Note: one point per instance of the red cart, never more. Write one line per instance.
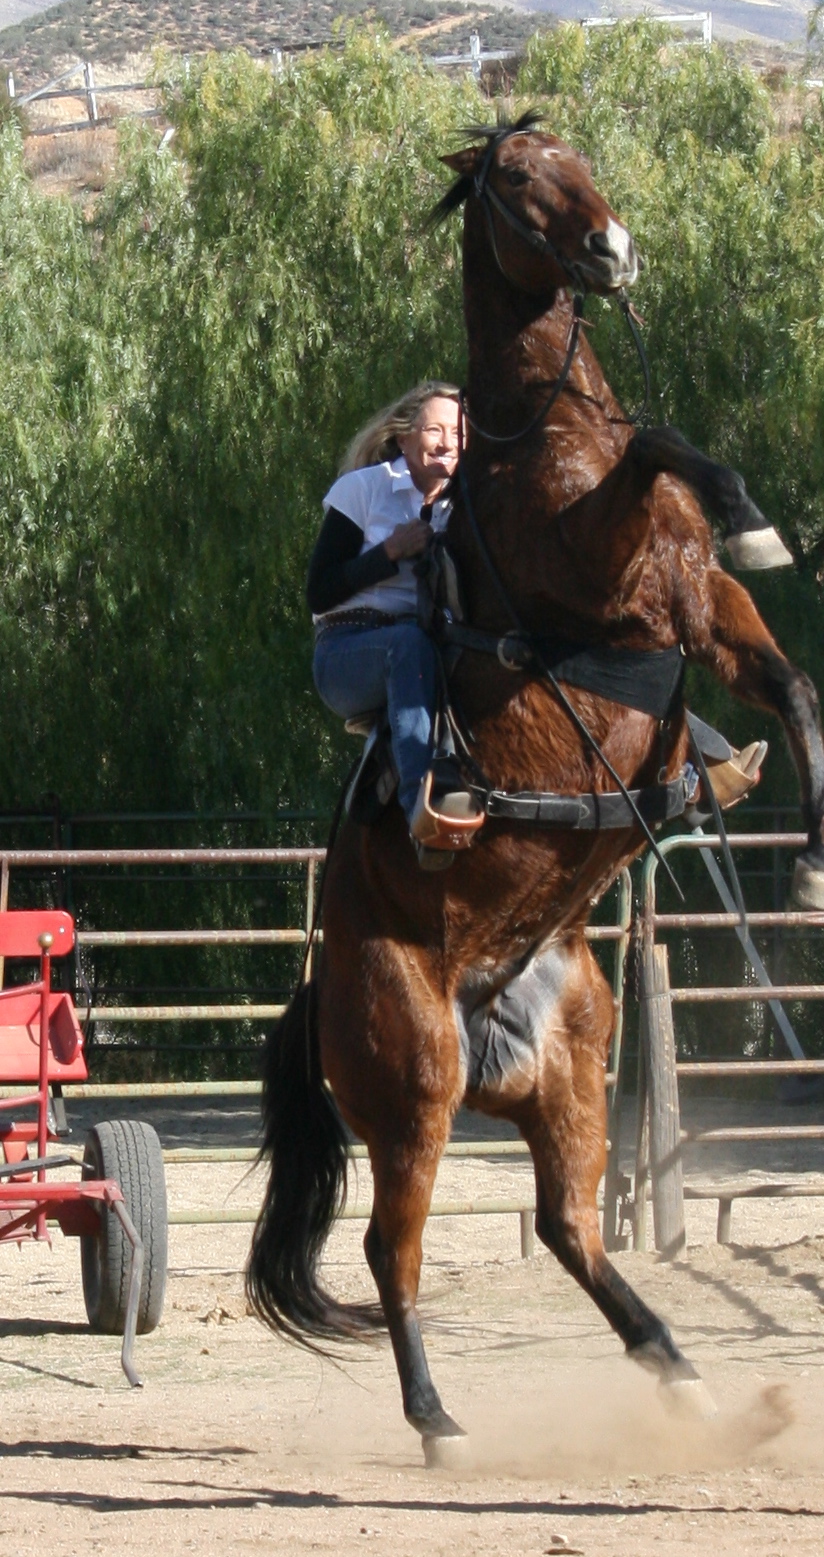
(118, 1208)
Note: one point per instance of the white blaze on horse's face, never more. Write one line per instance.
(549, 187)
(614, 248)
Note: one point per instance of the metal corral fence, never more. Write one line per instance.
(660, 1137)
(616, 933)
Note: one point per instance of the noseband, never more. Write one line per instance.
(538, 241)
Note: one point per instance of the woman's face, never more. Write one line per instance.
(431, 448)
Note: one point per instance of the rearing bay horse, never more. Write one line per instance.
(476, 985)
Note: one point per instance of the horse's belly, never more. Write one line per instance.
(507, 1028)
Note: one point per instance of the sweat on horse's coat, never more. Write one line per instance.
(504, 1019)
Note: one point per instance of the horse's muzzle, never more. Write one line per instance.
(611, 260)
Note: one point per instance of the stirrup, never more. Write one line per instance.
(734, 779)
(362, 724)
(449, 822)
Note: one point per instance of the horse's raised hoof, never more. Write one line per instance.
(807, 890)
(687, 1399)
(452, 1453)
(753, 550)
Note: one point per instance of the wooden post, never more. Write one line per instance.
(10, 86)
(724, 1229)
(666, 1162)
(612, 1177)
(91, 95)
(639, 1229)
(4, 903)
(310, 918)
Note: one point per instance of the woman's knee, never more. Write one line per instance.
(349, 683)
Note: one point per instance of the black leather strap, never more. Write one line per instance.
(646, 679)
(591, 813)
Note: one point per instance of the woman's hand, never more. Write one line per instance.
(408, 540)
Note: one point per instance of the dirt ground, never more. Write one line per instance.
(240, 1442)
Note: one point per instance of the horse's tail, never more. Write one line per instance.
(305, 1141)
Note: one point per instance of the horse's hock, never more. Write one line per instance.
(661, 1140)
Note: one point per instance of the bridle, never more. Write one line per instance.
(489, 198)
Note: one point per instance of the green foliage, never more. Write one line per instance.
(183, 370)
(727, 215)
(185, 373)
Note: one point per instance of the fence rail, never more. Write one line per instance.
(278, 57)
(660, 1139)
(307, 860)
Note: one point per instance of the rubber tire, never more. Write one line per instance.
(127, 1150)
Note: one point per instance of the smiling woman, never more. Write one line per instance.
(370, 652)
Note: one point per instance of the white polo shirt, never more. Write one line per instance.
(377, 499)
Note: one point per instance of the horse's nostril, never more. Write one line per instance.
(598, 243)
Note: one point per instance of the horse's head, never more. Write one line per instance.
(547, 224)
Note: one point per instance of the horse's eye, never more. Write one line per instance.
(517, 176)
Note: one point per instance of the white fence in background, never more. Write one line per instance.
(279, 59)
(58, 88)
(697, 19)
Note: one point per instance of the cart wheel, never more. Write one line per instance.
(127, 1150)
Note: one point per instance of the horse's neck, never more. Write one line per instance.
(517, 348)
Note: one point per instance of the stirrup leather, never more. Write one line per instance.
(451, 822)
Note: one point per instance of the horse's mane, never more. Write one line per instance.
(493, 135)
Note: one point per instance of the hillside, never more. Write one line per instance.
(110, 30)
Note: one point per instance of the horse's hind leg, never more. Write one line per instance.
(564, 1123)
(721, 629)
(751, 540)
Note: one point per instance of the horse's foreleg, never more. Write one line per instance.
(404, 1174)
(726, 634)
(751, 540)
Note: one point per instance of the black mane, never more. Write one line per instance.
(494, 135)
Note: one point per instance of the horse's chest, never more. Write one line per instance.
(505, 1023)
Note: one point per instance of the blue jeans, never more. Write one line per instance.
(357, 668)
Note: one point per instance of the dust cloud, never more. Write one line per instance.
(615, 1421)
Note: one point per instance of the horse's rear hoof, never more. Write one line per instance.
(448, 1454)
(687, 1399)
(807, 890)
(753, 550)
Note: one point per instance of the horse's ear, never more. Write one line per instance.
(464, 161)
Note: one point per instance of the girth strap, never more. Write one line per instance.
(592, 813)
(646, 679)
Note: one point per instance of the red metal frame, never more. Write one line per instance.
(41, 1044)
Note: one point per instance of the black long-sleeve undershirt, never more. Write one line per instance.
(337, 571)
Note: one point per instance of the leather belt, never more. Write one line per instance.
(361, 616)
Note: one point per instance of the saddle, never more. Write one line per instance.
(648, 680)
(375, 778)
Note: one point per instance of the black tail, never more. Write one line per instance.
(305, 1141)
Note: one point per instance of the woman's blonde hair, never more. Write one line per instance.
(378, 440)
